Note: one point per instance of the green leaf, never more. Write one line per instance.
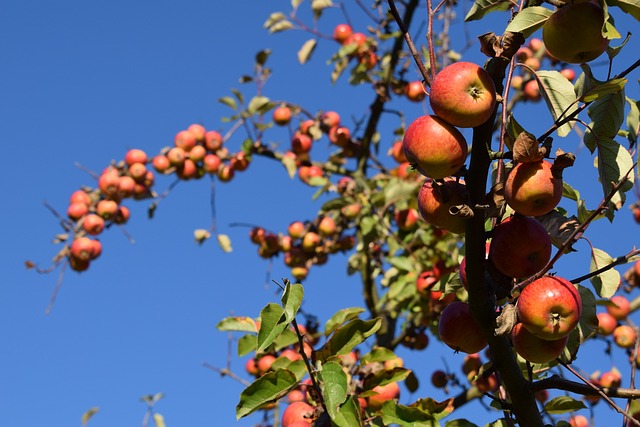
(614, 161)
(459, 423)
(319, 5)
(402, 263)
(266, 389)
(285, 339)
(333, 383)
(340, 318)
(559, 96)
(289, 164)
(257, 103)
(606, 283)
(482, 7)
(633, 120)
(562, 405)
(90, 413)
(607, 114)
(607, 88)
(225, 242)
(237, 323)
(229, 101)
(271, 325)
(298, 367)
(348, 414)
(247, 344)
(368, 224)
(345, 338)
(377, 354)
(384, 377)
(632, 7)
(305, 52)
(292, 300)
(529, 20)
(406, 416)
(399, 190)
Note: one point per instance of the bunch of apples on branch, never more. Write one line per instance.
(455, 239)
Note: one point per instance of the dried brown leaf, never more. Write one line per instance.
(526, 149)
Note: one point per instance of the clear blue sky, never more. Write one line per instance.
(85, 81)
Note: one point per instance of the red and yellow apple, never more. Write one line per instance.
(531, 189)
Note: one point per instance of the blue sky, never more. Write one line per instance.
(85, 81)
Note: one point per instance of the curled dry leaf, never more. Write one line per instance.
(563, 160)
(506, 320)
(495, 201)
(511, 42)
(526, 149)
(490, 44)
(461, 210)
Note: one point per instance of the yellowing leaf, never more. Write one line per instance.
(90, 413)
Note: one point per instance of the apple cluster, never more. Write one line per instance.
(360, 47)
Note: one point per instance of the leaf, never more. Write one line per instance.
(348, 414)
(225, 242)
(268, 388)
(333, 383)
(298, 367)
(200, 235)
(237, 323)
(558, 93)
(607, 88)
(271, 325)
(159, 420)
(460, 423)
(529, 20)
(526, 148)
(614, 162)
(384, 377)
(305, 52)
(229, 101)
(632, 7)
(607, 114)
(257, 103)
(406, 416)
(90, 413)
(559, 227)
(291, 300)
(247, 344)
(276, 22)
(606, 284)
(633, 120)
(377, 354)
(482, 7)
(289, 164)
(345, 338)
(340, 317)
(563, 404)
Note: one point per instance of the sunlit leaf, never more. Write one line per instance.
(333, 383)
(346, 337)
(225, 242)
(406, 416)
(378, 354)
(305, 52)
(159, 420)
(247, 344)
(562, 405)
(271, 325)
(257, 103)
(341, 317)
(482, 7)
(90, 413)
(237, 323)
(268, 388)
(606, 284)
(291, 300)
(632, 7)
(529, 20)
(559, 96)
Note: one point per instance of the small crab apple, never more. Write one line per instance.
(78, 264)
(439, 379)
(341, 32)
(340, 136)
(535, 44)
(471, 364)
(185, 140)
(198, 131)
(301, 143)
(425, 281)
(265, 362)
(212, 140)
(226, 173)
(282, 115)
(407, 218)
(531, 90)
(187, 170)
(606, 323)
(137, 171)
(77, 210)
(463, 94)
(533, 63)
(524, 53)
(550, 307)
(535, 349)
(533, 188)
(516, 82)
(460, 330)
(359, 40)
(351, 210)
(109, 183)
(135, 155)
(107, 209)
(434, 147)
(414, 91)
(80, 196)
(569, 73)
(327, 226)
(621, 309)
(252, 367)
(306, 173)
(240, 161)
(384, 392)
(397, 152)
(311, 241)
(122, 216)
(296, 413)
(177, 156)
(126, 186)
(624, 336)
(93, 224)
(436, 199)
(611, 379)
(161, 163)
(330, 119)
(197, 153)
(211, 163)
(578, 421)
(82, 248)
(297, 230)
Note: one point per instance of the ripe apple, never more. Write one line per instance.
(531, 189)
(397, 152)
(265, 362)
(297, 412)
(211, 163)
(531, 90)
(161, 163)
(550, 307)
(606, 323)
(137, 171)
(340, 136)
(212, 140)
(463, 94)
(533, 63)
(135, 155)
(305, 173)
(487, 383)
(327, 226)
(385, 392)
(407, 219)
(77, 210)
(93, 224)
(296, 230)
(122, 216)
(425, 281)
(434, 147)
(109, 183)
(177, 156)
(569, 73)
(127, 186)
(311, 241)
(624, 336)
(78, 265)
(197, 153)
(359, 40)
(107, 209)
(341, 32)
(520, 246)
(460, 330)
(471, 364)
(80, 196)
(252, 367)
(282, 115)
(414, 91)
(535, 44)
(330, 119)
(82, 248)
(516, 82)
(439, 379)
(621, 309)
(610, 379)
(535, 349)
(574, 32)
(435, 200)
(578, 421)
(351, 210)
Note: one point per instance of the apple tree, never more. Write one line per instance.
(453, 219)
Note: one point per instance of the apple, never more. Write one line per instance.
(252, 367)
(439, 379)
(327, 227)
(82, 248)
(621, 309)
(533, 63)
(340, 136)
(542, 395)
(606, 323)
(78, 264)
(311, 241)
(396, 362)
(93, 224)
(578, 421)
(197, 153)
(135, 156)
(487, 383)
(351, 210)
(523, 53)
(77, 210)
(359, 40)
(122, 216)
(127, 186)
(573, 33)
(397, 152)
(434, 147)
(137, 171)
(239, 162)
(414, 91)
(610, 379)
(531, 90)
(516, 82)
(624, 336)
(460, 330)
(531, 189)
(520, 246)
(296, 229)
(635, 210)
(213, 140)
(211, 163)
(109, 183)
(282, 115)
(306, 173)
(425, 281)
(384, 392)
(435, 200)
(471, 364)
(463, 94)
(298, 412)
(185, 140)
(107, 209)
(176, 156)
(297, 395)
(330, 119)
(161, 163)
(569, 73)
(341, 32)
(407, 219)
(265, 362)
(187, 170)
(549, 307)
(535, 349)
(80, 196)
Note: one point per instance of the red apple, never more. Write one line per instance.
(252, 367)
(407, 219)
(296, 229)
(135, 156)
(397, 152)
(107, 209)
(624, 336)
(569, 73)
(330, 119)
(122, 216)
(460, 330)
(327, 227)
(282, 115)
(93, 224)
(610, 379)
(198, 131)
(296, 413)
(77, 210)
(435, 200)
(439, 379)
(342, 32)
(606, 323)
(531, 189)
(414, 91)
(531, 90)
(213, 140)
(535, 349)
(384, 392)
(578, 421)
(463, 94)
(550, 307)
(161, 163)
(185, 140)
(434, 147)
(471, 364)
(109, 183)
(82, 248)
(621, 309)
(425, 281)
(306, 173)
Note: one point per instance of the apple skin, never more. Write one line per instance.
(573, 33)
(414, 91)
(535, 349)
(297, 412)
(520, 247)
(463, 94)
(460, 330)
(436, 148)
(531, 90)
(624, 336)
(385, 392)
(606, 323)
(550, 307)
(531, 189)
(434, 202)
(623, 307)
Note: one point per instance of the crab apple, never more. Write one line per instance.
(252, 367)
(297, 412)
(107, 209)
(282, 115)
(185, 140)
(126, 186)
(211, 163)
(610, 379)
(82, 248)
(487, 383)
(197, 153)
(187, 170)
(226, 173)
(535, 349)
(135, 155)
(384, 392)
(460, 330)
(569, 73)
(291, 354)
(407, 219)
(531, 90)
(435, 201)
(550, 307)
(78, 264)
(434, 147)
(471, 363)
(439, 379)
(516, 82)
(330, 119)
(578, 421)
(341, 32)
(542, 395)
(425, 281)
(523, 53)
(311, 241)
(520, 246)
(213, 140)
(397, 152)
(109, 183)
(573, 33)
(137, 171)
(635, 210)
(621, 309)
(297, 395)
(624, 336)
(80, 196)
(306, 173)
(359, 40)
(296, 229)
(532, 189)
(340, 136)
(265, 362)
(77, 210)
(161, 163)
(463, 94)
(256, 235)
(301, 143)
(177, 156)
(122, 216)
(93, 224)
(346, 243)
(606, 323)
(240, 161)
(414, 91)
(327, 226)
(535, 44)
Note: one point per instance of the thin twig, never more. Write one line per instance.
(52, 300)
(224, 372)
(619, 260)
(410, 44)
